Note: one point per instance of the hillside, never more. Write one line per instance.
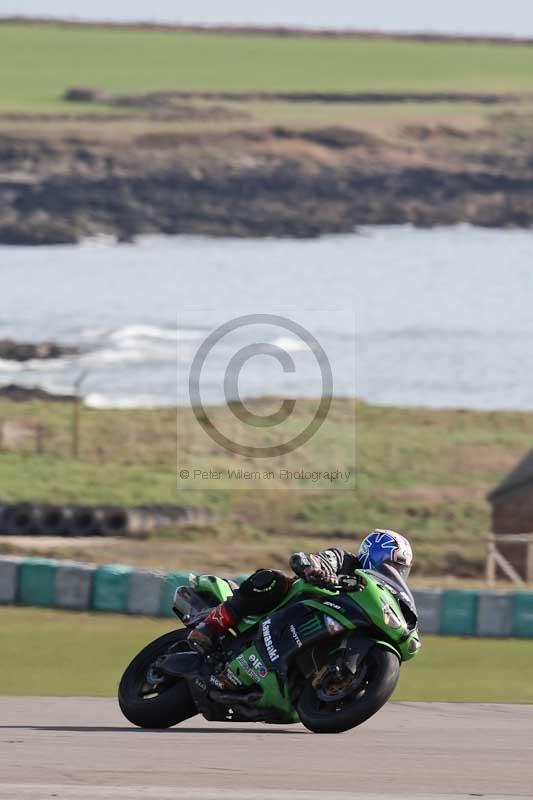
(131, 131)
(424, 472)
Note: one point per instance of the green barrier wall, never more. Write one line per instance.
(111, 588)
(458, 615)
(171, 582)
(36, 581)
(123, 589)
(522, 614)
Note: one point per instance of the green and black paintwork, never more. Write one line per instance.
(258, 673)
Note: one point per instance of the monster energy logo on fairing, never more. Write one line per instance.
(310, 626)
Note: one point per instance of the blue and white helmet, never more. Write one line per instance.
(389, 547)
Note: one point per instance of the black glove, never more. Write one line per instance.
(321, 578)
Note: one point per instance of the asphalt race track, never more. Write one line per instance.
(75, 748)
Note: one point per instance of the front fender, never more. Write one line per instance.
(357, 648)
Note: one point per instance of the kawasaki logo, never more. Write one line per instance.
(267, 638)
(311, 626)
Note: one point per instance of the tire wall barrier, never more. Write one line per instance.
(44, 519)
(121, 589)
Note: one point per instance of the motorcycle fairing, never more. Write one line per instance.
(301, 620)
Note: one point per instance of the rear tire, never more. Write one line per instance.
(169, 703)
(383, 673)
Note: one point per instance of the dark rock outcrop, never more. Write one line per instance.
(262, 182)
(23, 394)
(36, 229)
(26, 351)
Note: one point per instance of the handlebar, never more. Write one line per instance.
(349, 583)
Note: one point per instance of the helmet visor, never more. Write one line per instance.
(403, 569)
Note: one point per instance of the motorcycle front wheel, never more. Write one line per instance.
(149, 699)
(334, 705)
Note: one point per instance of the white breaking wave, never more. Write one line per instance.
(138, 343)
(98, 240)
(129, 332)
(34, 365)
(10, 366)
(291, 344)
(123, 355)
(99, 400)
(136, 332)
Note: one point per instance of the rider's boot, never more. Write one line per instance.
(205, 635)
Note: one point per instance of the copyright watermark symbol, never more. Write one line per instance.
(255, 392)
(231, 385)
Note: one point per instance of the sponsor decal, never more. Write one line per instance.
(295, 636)
(216, 682)
(201, 684)
(258, 665)
(310, 627)
(267, 638)
(249, 671)
(230, 675)
(333, 605)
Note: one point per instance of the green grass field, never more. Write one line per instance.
(425, 472)
(37, 63)
(61, 653)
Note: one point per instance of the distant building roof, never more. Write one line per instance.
(521, 475)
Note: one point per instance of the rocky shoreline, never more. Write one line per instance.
(26, 394)
(255, 182)
(11, 350)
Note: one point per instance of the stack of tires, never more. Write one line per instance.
(45, 519)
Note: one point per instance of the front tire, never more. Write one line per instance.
(155, 705)
(320, 716)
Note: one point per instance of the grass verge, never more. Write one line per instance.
(422, 471)
(60, 653)
(425, 472)
(38, 60)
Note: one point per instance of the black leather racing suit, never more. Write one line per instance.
(266, 588)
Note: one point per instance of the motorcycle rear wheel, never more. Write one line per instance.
(155, 706)
(339, 715)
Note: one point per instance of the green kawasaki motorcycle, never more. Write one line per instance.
(328, 659)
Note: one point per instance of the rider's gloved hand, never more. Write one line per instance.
(321, 578)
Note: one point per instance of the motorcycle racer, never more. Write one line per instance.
(381, 550)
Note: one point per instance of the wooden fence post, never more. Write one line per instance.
(491, 560)
(495, 559)
(529, 562)
(39, 438)
(76, 408)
